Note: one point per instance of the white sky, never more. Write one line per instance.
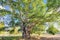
(1, 7)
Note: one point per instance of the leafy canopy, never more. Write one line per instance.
(32, 11)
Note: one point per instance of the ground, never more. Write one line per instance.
(46, 37)
(33, 37)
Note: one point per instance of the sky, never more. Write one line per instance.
(45, 1)
(2, 7)
(7, 7)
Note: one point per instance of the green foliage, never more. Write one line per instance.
(38, 29)
(1, 25)
(52, 30)
(53, 3)
(32, 11)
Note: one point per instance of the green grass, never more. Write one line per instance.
(10, 38)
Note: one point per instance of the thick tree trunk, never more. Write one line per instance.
(26, 32)
(24, 22)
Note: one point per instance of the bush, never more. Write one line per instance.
(52, 30)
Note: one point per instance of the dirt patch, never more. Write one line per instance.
(45, 37)
(55, 38)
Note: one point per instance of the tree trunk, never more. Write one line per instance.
(26, 32)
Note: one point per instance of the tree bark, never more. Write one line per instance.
(25, 32)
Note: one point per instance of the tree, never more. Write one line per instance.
(31, 12)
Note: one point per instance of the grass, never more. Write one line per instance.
(10, 38)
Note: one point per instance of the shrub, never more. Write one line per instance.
(52, 30)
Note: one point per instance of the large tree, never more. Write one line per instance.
(31, 12)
